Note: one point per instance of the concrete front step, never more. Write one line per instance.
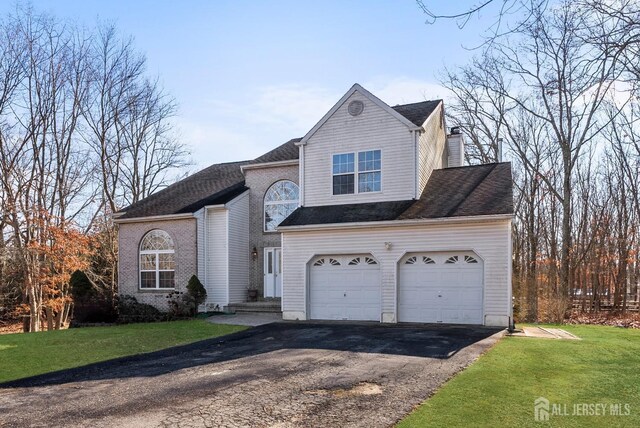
(262, 306)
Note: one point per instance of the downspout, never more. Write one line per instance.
(415, 165)
(301, 175)
(205, 244)
(512, 324)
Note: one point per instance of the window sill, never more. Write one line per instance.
(155, 290)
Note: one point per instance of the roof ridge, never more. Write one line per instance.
(418, 102)
(474, 166)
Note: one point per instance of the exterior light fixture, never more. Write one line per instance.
(254, 253)
(388, 245)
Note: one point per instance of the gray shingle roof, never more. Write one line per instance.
(216, 184)
(220, 183)
(465, 191)
(287, 151)
(417, 113)
(347, 213)
(451, 192)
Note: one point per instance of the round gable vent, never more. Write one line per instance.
(355, 108)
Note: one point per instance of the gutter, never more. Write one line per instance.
(154, 218)
(243, 168)
(399, 223)
(173, 216)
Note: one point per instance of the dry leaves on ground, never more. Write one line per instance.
(616, 320)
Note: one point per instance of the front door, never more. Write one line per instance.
(272, 272)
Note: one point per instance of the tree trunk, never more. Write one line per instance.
(49, 314)
(34, 309)
(567, 239)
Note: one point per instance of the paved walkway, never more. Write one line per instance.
(545, 333)
(278, 375)
(246, 318)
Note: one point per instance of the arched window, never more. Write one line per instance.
(280, 200)
(157, 261)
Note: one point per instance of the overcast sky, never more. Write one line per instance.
(249, 75)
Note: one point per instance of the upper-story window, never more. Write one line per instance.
(368, 170)
(157, 261)
(280, 200)
(343, 173)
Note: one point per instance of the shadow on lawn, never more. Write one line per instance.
(425, 341)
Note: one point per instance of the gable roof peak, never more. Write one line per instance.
(358, 88)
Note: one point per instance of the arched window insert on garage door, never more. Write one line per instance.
(414, 259)
(157, 261)
(280, 201)
(329, 261)
(362, 260)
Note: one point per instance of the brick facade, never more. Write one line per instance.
(259, 181)
(183, 233)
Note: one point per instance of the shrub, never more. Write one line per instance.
(180, 305)
(90, 305)
(81, 286)
(197, 291)
(130, 311)
(183, 305)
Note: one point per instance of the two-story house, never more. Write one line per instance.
(370, 216)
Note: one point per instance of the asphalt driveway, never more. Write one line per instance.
(276, 375)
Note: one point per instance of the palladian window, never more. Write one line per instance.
(157, 261)
(280, 200)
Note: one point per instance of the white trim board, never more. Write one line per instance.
(291, 162)
(398, 223)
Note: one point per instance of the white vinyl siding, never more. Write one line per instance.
(217, 279)
(455, 147)
(374, 129)
(238, 248)
(490, 240)
(431, 145)
(200, 241)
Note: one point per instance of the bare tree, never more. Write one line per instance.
(82, 133)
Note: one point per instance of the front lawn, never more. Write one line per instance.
(23, 355)
(500, 388)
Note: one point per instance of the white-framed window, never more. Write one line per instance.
(280, 200)
(157, 261)
(343, 173)
(367, 169)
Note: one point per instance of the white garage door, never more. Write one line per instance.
(344, 288)
(441, 288)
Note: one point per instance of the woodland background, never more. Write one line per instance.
(85, 131)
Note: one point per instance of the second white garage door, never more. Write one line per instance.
(441, 288)
(344, 288)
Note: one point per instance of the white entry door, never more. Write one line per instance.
(344, 288)
(441, 288)
(272, 272)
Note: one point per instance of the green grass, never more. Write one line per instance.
(499, 389)
(23, 355)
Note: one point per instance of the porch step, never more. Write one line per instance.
(269, 306)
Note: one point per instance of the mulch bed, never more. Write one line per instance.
(605, 318)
